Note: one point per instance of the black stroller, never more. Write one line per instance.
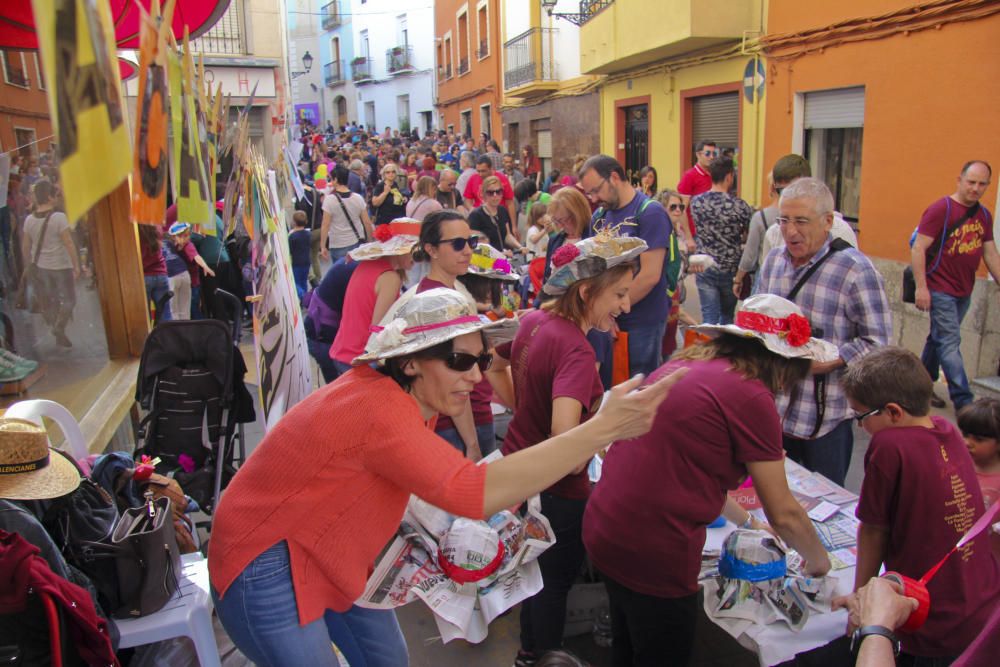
(191, 385)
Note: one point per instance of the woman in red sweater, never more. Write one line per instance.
(302, 522)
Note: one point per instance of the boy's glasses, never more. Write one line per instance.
(463, 361)
(865, 415)
(458, 244)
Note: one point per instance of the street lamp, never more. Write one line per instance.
(576, 19)
(307, 62)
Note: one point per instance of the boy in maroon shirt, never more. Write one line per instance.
(918, 498)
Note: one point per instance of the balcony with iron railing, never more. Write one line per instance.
(227, 36)
(333, 73)
(332, 17)
(463, 66)
(444, 72)
(361, 68)
(399, 59)
(591, 8)
(529, 66)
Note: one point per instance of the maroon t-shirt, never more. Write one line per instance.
(963, 249)
(482, 393)
(153, 263)
(694, 181)
(645, 521)
(549, 358)
(920, 484)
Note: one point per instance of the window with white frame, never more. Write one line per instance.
(833, 130)
(483, 29)
(14, 71)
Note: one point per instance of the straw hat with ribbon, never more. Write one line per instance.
(392, 240)
(430, 318)
(29, 470)
(489, 262)
(779, 324)
(590, 257)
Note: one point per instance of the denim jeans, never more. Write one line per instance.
(715, 292)
(543, 615)
(829, 455)
(261, 617)
(320, 351)
(301, 275)
(486, 434)
(337, 253)
(645, 348)
(942, 350)
(156, 287)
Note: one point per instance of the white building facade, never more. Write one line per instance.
(393, 64)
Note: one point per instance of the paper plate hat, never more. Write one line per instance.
(391, 240)
(427, 319)
(489, 262)
(590, 257)
(779, 324)
(29, 470)
(178, 228)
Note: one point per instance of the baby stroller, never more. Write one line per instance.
(191, 385)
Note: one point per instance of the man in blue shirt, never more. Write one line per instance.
(603, 180)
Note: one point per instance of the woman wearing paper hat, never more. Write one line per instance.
(557, 386)
(301, 523)
(373, 287)
(644, 527)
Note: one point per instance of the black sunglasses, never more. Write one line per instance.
(463, 361)
(458, 244)
(494, 192)
(865, 415)
(677, 207)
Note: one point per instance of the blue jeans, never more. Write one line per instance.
(261, 617)
(829, 455)
(645, 348)
(301, 275)
(942, 350)
(486, 434)
(156, 287)
(320, 351)
(715, 292)
(337, 253)
(196, 313)
(340, 366)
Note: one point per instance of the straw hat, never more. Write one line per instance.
(392, 240)
(430, 318)
(590, 257)
(28, 468)
(779, 324)
(489, 262)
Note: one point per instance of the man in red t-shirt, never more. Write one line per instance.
(695, 181)
(474, 197)
(945, 275)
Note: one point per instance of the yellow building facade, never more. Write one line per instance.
(676, 73)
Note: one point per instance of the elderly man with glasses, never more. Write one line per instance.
(843, 296)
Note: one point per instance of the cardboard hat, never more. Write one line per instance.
(29, 468)
(589, 258)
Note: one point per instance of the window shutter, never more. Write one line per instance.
(843, 107)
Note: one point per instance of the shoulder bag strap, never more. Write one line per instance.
(41, 238)
(354, 227)
(947, 231)
(836, 245)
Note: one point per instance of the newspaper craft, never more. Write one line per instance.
(467, 572)
(758, 581)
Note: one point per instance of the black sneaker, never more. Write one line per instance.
(937, 402)
(525, 659)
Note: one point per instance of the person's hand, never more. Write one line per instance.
(324, 253)
(696, 268)
(736, 289)
(923, 299)
(628, 411)
(690, 245)
(210, 273)
(817, 568)
(882, 603)
(76, 273)
(850, 603)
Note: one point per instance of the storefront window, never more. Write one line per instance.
(835, 157)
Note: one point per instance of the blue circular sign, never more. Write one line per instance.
(753, 78)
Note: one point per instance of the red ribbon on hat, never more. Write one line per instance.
(465, 319)
(460, 575)
(794, 329)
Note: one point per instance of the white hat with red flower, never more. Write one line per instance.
(779, 324)
(391, 240)
(590, 257)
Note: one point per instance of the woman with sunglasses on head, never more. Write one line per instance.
(493, 219)
(372, 289)
(302, 521)
(557, 386)
(673, 203)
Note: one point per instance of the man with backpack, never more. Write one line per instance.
(954, 234)
(603, 180)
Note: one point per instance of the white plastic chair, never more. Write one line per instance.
(187, 614)
(36, 408)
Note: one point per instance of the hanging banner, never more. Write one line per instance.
(76, 42)
(149, 174)
(194, 202)
(283, 363)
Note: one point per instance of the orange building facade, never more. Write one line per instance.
(24, 111)
(888, 115)
(469, 70)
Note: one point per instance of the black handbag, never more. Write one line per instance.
(147, 560)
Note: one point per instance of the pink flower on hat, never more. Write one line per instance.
(565, 255)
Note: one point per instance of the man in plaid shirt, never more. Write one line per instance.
(845, 302)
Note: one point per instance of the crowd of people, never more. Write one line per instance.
(440, 276)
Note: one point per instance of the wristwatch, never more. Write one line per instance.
(868, 630)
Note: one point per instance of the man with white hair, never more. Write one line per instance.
(843, 297)
(467, 166)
